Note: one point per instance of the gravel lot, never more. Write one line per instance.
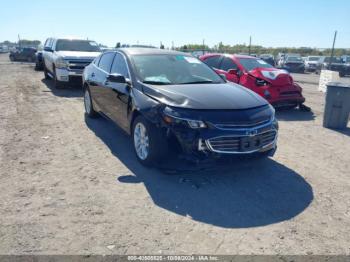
(73, 186)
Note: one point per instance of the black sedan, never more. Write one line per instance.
(167, 100)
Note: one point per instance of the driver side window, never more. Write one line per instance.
(227, 64)
(119, 66)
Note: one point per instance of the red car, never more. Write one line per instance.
(275, 85)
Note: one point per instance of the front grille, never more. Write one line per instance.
(229, 126)
(243, 144)
(78, 64)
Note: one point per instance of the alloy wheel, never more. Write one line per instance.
(141, 141)
(87, 101)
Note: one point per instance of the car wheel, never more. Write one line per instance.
(150, 144)
(89, 109)
(341, 74)
(58, 84)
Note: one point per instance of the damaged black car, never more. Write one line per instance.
(169, 100)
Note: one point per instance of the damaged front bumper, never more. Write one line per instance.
(222, 141)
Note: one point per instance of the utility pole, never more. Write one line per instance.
(203, 46)
(332, 53)
(19, 41)
(172, 45)
(250, 44)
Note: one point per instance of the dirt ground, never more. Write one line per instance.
(69, 185)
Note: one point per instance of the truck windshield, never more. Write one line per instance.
(314, 58)
(77, 45)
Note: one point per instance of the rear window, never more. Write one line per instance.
(77, 45)
(294, 59)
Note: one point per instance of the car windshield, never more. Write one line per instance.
(172, 69)
(77, 45)
(294, 59)
(313, 58)
(250, 64)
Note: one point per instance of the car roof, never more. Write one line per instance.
(229, 55)
(130, 51)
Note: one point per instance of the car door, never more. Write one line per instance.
(227, 64)
(119, 93)
(97, 79)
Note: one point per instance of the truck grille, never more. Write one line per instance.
(78, 64)
(243, 144)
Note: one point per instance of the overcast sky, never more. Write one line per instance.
(271, 23)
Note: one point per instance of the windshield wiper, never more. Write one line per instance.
(199, 82)
(155, 82)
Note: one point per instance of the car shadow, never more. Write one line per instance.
(294, 115)
(241, 194)
(70, 91)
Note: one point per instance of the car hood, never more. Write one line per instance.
(77, 55)
(205, 96)
(278, 77)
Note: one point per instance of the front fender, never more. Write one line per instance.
(146, 106)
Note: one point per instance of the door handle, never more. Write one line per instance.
(93, 75)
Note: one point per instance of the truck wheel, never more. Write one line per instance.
(58, 84)
(149, 144)
(46, 74)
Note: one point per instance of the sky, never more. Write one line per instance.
(270, 23)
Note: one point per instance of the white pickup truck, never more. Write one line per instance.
(65, 59)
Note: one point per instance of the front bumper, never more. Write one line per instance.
(64, 75)
(224, 141)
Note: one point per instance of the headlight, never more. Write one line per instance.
(172, 117)
(261, 82)
(61, 63)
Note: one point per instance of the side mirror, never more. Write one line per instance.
(116, 78)
(233, 72)
(48, 49)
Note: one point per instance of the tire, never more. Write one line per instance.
(89, 109)
(12, 58)
(46, 74)
(156, 142)
(58, 84)
(341, 74)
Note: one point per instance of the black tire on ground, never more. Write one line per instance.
(89, 109)
(46, 74)
(341, 74)
(58, 84)
(158, 144)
